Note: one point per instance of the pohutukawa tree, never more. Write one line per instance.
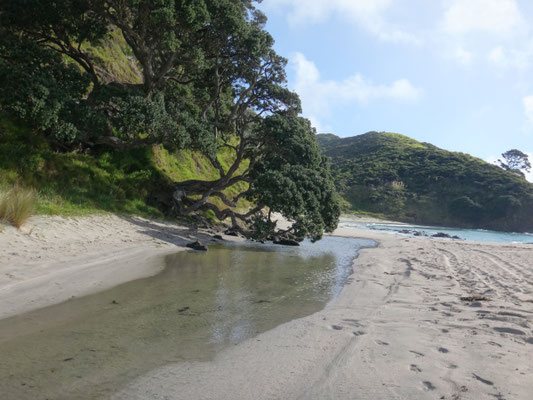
(515, 161)
(211, 82)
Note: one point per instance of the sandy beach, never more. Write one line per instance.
(400, 329)
(51, 259)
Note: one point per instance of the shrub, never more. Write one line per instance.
(39, 87)
(466, 208)
(16, 205)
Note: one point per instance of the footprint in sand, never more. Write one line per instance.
(510, 330)
(416, 353)
(485, 381)
(414, 368)
(352, 322)
(510, 314)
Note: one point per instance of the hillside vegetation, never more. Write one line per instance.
(401, 178)
(135, 181)
(158, 108)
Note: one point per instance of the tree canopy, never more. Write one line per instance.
(209, 80)
(515, 161)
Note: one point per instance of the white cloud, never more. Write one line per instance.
(511, 58)
(314, 11)
(489, 16)
(319, 95)
(369, 15)
(493, 30)
(463, 56)
(528, 108)
(465, 31)
(497, 56)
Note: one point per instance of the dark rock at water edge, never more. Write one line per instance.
(407, 231)
(412, 232)
(197, 246)
(440, 235)
(286, 242)
(445, 235)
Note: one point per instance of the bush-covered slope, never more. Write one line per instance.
(129, 99)
(136, 181)
(404, 179)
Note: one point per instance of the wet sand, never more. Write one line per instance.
(52, 259)
(201, 303)
(398, 330)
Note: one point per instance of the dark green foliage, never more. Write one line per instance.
(504, 206)
(169, 41)
(515, 161)
(293, 178)
(404, 179)
(59, 25)
(38, 87)
(209, 81)
(164, 35)
(466, 209)
(262, 227)
(138, 120)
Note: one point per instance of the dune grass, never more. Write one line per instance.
(17, 205)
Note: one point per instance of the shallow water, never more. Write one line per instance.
(88, 348)
(475, 235)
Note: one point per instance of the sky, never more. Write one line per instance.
(454, 73)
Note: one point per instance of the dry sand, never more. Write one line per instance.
(399, 329)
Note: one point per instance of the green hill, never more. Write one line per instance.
(401, 178)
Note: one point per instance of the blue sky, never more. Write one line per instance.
(455, 73)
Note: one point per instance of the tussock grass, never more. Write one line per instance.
(17, 205)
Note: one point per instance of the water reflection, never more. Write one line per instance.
(87, 348)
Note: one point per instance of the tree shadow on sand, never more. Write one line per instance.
(169, 232)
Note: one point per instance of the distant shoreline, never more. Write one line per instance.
(410, 229)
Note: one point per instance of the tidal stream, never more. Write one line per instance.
(90, 347)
